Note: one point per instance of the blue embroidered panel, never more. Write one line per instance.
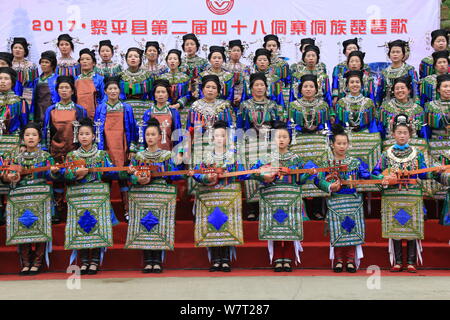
(28, 218)
(348, 224)
(87, 222)
(280, 215)
(149, 221)
(217, 218)
(402, 217)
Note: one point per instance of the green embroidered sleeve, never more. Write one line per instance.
(182, 101)
(320, 181)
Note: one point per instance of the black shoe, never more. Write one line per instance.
(25, 272)
(278, 269)
(338, 267)
(287, 267)
(226, 267)
(215, 267)
(157, 270)
(251, 217)
(350, 267)
(93, 269)
(35, 272)
(84, 269)
(147, 270)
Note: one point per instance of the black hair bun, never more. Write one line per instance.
(86, 122)
(220, 124)
(277, 124)
(153, 122)
(337, 129)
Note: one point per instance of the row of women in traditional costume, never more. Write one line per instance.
(218, 206)
(185, 76)
(96, 97)
(309, 115)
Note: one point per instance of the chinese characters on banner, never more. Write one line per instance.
(217, 22)
(240, 28)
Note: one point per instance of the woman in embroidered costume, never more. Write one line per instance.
(398, 53)
(345, 215)
(89, 84)
(44, 87)
(13, 109)
(301, 65)
(6, 59)
(32, 223)
(402, 102)
(218, 225)
(67, 66)
(439, 42)
(307, 117)
(82, 217)
(256, 113)
(179, 81)
(27, 71)
(206, 111)
(200, 120)
(13, 116)
(217, 58)
(261, 62)
(355, 110)
(192, 64)
(355, 62)
(311, 57)
(117, 132)
(309, 113)
(441, 63)
(277, 63)
(239, 70)
(402, 219)
(437, 111)
(107, 68)
(349, 45)
(152, 53)
(136, 83)
(437, 115)
(163, 195)
(168, 117)
(286, 247)
(444, 179)
(58, 132)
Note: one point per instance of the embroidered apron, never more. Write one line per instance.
(44, 100)
(62, 141)
(115, 141)
(86, 95)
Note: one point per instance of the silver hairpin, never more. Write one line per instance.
(294, 138)
(140, 125)
(165, 124)
(2, 126)
(97, 125)
(76, 126)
